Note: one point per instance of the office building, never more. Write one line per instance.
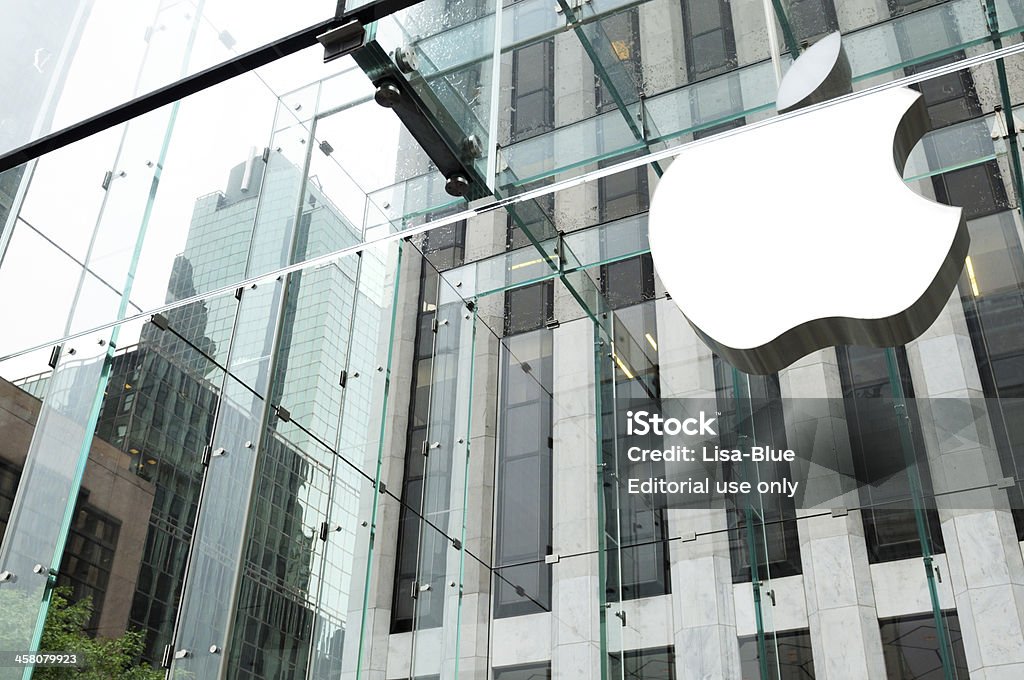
(383, 455)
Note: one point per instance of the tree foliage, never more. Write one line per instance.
(99, 658)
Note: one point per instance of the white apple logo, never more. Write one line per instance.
(801, 234)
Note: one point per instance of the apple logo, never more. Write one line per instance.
(801, 234)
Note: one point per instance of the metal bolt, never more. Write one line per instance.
(388, 95)
(471, 147)
(406, 59)
(456, 185)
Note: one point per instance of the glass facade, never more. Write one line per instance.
(294, 386)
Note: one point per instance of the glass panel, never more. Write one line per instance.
(44, 509)
(445, 448)
(52, 56)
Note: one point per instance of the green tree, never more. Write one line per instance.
(100, 658)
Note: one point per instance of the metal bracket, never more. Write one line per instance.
(342, 40)
(54, 356)
(426, 119)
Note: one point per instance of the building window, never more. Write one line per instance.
(710, 48)
(791, 650)
(530, 218)
(643, 664)
(639, 567)
(910, 645)
(533, 90)
(536, 671)
(890, 525)
(529, 307)
(992, 292)
(445, 246)
(979, 189)
(623, 65)
(622, 194)
(9, 476)
(811, 19)
(403, 609)
(774, 528)
(89, 556)
(628, 282)
(522, 580)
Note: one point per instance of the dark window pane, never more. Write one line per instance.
(708, 38)
(628, 282)
(523, 477)
(794, 656)
(910, 645)
(529, 307)
(540, 671)
(643, 664)
(890, 525)
(811, 19)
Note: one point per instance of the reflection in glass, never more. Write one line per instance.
(911, 647)
(789, 652)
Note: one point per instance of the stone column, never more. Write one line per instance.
(837, 583)
(576, 584)
(703, 608)
(985, 565)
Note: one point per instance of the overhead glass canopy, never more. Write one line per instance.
(297, 241)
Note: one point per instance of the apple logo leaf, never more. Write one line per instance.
(798, 235)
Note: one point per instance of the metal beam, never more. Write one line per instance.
(168, 94)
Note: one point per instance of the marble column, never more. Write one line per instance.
(841, 613)
(703, 608)
(576, 583)
(984, 557)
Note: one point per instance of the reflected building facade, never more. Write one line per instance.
(439, 485)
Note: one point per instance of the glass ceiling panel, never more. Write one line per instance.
(52, 53)
(163, 195)
(650, 111)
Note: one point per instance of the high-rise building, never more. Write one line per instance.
(398, 456)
